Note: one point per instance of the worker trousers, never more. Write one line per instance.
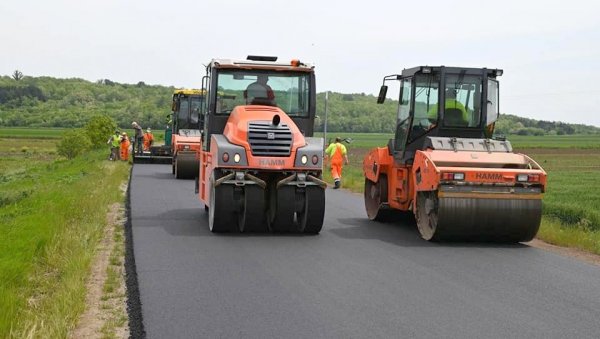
(336, 170)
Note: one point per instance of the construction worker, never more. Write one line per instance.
(456, 113)
(336, 153)
(259, 93)
(139, 138)
(125, 144)
(148, 139)
(114, 142)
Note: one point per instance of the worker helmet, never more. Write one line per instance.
(148, 130)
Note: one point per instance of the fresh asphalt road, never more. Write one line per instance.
(356, 279)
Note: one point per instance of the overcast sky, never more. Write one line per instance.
(549, 50)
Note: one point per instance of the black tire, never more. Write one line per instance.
(221, 213)
(173, 166)
(282, 209)
(311, 219)
(252, 217)
(375, 195)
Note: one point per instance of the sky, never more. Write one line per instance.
(549, 50)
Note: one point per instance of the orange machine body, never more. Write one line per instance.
(236, 133)
(431, 169)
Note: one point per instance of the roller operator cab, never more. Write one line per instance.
(185, 132)
(260, 166)
(443, 165)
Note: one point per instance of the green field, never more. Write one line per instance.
(52, 213)
(30, 133)
(370, 140)
(571, 203)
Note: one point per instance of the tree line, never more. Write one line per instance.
(52, 102)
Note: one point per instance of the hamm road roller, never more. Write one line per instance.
(260, 166)
(444, 166)
(182, 136)
(186, 137)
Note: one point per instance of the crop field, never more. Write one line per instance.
(52, 212)
(571, 203)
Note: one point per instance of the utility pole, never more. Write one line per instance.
(325, 124)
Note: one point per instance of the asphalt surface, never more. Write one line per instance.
(356, 279)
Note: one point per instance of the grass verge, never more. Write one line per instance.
(49, 239)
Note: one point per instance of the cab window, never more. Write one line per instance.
(462, 106)
(426, 104)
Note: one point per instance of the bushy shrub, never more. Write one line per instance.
(73, 143)
(99, 129)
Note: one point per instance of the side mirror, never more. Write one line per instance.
(382, 94)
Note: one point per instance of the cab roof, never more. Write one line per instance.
(184, 91)
(492, 72)
(262, 65)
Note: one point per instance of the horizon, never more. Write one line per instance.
(321, 92)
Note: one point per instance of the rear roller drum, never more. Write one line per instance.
(427, 215)
(282, 209)
(311, 219)
(375, 195)
(221, 214)
(252, 217)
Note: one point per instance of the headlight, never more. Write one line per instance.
(304, 159)
(459, 176)
(315, 159)
(186, 146)
(225, 157)
(522, 177)
(236, 157)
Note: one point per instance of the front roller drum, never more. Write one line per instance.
(477, 219)
(221, 213)
(186, 167)
(252, 216)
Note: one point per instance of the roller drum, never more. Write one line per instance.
(478, 219)
(502, 220)
(186, 167)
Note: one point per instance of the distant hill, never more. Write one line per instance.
(51, 102)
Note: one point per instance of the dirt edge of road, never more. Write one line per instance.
(590, 258)
(105, 313)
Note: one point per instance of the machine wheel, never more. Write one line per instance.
(252, 217)
(375, 194)
(427, 214)
(311, 219)
(177, 169)
(221, 214)
(173, 166)
(282, 209)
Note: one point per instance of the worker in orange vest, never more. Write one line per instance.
(337, 153)
(125, 144)
(148, 139)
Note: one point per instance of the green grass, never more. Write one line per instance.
(555, 141)
(371, 140)
(556, 232)
(31, 133)
(50, 227)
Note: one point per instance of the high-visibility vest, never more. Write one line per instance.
(116, 140)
